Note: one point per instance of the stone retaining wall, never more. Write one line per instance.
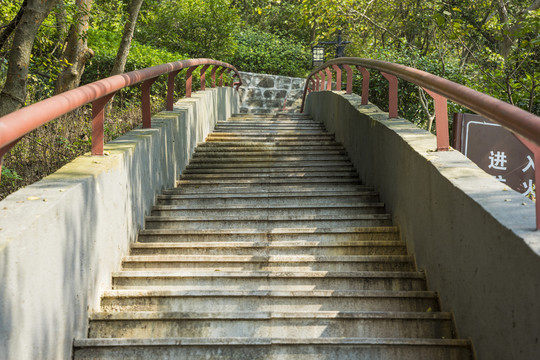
(263, 94)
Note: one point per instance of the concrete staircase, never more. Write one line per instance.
(270, 248)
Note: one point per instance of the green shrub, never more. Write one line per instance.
(266, 53)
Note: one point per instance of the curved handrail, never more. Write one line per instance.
(15, 125)
(524, 124)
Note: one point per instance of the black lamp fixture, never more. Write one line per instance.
(317, 55)
(317, 51)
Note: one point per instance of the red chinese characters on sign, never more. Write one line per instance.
(496, 151)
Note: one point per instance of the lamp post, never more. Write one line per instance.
(317, 51)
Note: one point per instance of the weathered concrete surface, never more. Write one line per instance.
(474, 236)
(62, 237)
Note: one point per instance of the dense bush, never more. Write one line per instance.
(193, 27)
(261, 52)
(105, 44)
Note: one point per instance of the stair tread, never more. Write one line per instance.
(267, 341)
(267, 315)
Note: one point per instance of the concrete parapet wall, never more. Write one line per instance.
(62, 237)
(264, 94)
(474, 236)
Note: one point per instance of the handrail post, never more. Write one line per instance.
(203, 76)
(392, 95)
(220, 75)
(349, 78)
(365, 84)
(441, 120)
(213, 75)
(338, 77)
(145, 103)
(329, 79)
(189, 80)
(170, 89)
(98, 118)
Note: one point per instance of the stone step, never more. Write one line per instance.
(268, 158)
(262, 208)
(285, 139)
(271, 190)
(270, 164)
(314, 248)
(280, 175)
(265, 132)
(319, 324)
(323, 235)
(284, 263)
(245, 147)
(269, 170)
(272, 349)
(266, 222)
(284, 181)
(269, 280)
(277, 154)
(291, 127)
(250, 196)
(274, 143)
(259, 300)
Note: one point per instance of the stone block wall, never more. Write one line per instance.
(263, 94)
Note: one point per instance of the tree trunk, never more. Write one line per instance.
(4, 35)
(61, 24)
(77, 52)
(14, 92)
(125, 44)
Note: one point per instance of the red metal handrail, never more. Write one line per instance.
(524, 124)
(19, 123)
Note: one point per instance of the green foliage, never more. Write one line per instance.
(193, 27)
(10, 176)
(280, 17)
(267, 53)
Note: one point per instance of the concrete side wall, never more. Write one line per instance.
(62, 237)
(474, 236)
(264, 94)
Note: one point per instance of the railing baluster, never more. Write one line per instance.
(441, 120)
(365, 84)
(392, 95)
(329, 79)
(323, 80)
(338, 77)
(145, 103)
(98, 119)
(189, 80)
(203, 76)
(170, 89)
(318, 82)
